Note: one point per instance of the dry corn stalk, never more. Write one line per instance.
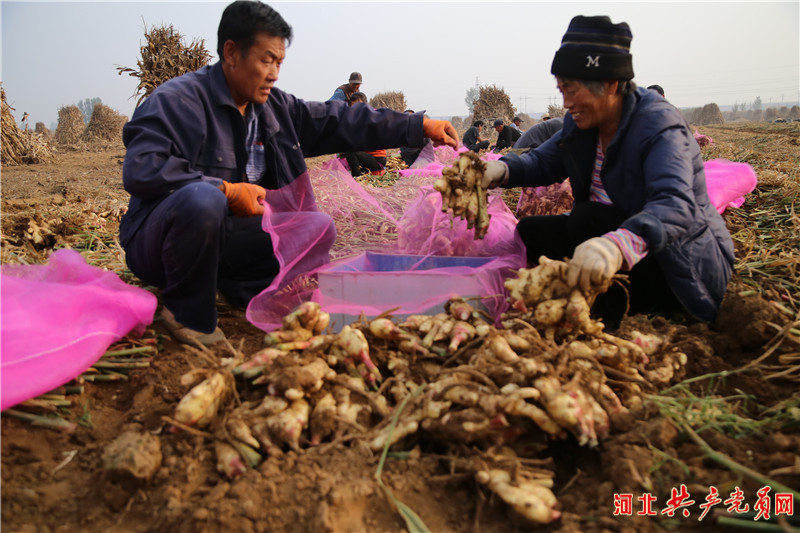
(165, 56)
(70, 126)
(19, 146)
(493, 103)
(105, 125)
(395, 100)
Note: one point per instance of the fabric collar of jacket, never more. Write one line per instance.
(221, 96)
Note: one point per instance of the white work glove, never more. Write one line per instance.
(495, 175)
(594, 263)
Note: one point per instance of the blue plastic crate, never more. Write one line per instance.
(375, 283)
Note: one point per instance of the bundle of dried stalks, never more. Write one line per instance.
(708, 114)
(70, 126)
(43, 130)
(493, 103)
(395, 100)
(458, 123)
(165, 56)
(20, 147)
(556, 111)
(105, 126)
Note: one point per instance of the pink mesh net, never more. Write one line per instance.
(728, 182)
(58, 319)
(405, 218)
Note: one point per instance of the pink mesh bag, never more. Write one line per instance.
(728, 182)
(58, 319)
(371, 219)
(302, 237)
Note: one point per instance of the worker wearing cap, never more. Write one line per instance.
(506, 136)
(641, 203)
(515, 124)
(345, 91)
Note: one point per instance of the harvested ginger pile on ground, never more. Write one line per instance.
(456, 380)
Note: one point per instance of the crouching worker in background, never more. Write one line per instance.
(472, 138)
(360, 162)
(205, 149)
(641, 205)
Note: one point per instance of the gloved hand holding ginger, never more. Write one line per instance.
(594, 263)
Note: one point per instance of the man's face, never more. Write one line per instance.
(354, 86)
(251, 76)
(588, 109)
(498, 129)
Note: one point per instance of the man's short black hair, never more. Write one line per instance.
(477, 123)
(243, 20)
(358, 97)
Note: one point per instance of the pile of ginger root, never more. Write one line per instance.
(491, 390)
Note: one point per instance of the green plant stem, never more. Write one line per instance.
(749, 524)
(68, 389)
(130, 351)
(734, 466)
(52, 422)
(104, 377)
(122, 366)
(392, 425)
(414, 523)
(723, 374)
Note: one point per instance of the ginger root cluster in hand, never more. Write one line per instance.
(461, 190)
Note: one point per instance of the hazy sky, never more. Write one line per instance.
(58, 53)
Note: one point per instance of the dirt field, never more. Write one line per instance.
(56, 482)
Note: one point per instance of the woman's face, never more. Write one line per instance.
(588, 110)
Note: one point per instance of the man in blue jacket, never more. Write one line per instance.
(204, 150)
(641, 203)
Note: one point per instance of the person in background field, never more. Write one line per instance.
(545, 117)
(205, 149)
(641, 204)
(658, 89)
(361, 162)
(472, 137)
(409, 155)
(506, 136)
(345, 91)
(539, 133)
(515, 123)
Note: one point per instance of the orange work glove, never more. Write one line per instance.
(243, 198)
(440, 132)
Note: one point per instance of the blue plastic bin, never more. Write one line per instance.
(379, 282)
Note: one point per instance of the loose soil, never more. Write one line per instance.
(56, 482)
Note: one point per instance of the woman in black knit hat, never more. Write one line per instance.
(641, 204)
